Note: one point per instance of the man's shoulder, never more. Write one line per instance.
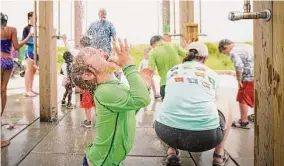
(27, 28)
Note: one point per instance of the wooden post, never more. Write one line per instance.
(166, 16)
(47, 62)
(269, 85)
(78, 14)
(186, 16)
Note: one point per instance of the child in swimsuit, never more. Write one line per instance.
(8, 39)
(116, 105)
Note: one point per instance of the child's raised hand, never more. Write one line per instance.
(123, 57)
(147, 75)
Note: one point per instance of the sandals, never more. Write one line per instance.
(225, 158)
(240, 124)
(251, 117)
(173, 160)
(157, 96)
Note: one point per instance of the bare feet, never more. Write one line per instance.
(29, 94)
(10, 126)
(34, 92)
(4, 143)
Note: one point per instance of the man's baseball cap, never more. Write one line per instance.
(200, 47)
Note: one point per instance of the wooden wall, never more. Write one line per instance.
(269, 85)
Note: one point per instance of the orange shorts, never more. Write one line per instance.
(87, 100)
(246, 94)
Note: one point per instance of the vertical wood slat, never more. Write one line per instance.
(186, 16)
(78, 16)
(47, 60)
(278, 81)
(166, 16)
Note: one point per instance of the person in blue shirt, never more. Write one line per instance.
(101, 32)
(189, 119)
(30, 58)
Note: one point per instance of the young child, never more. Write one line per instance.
(143, 65)
(67, 81)
(86, 100)
(116, 105)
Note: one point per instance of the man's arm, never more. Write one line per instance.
(112, 32)
(181, 51)
(152, 63)
(239, 65)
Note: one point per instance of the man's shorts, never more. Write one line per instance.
(246, 94)
(30, 55)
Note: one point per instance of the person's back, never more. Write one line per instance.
(165, 56)
(243, 56)
(192, 92)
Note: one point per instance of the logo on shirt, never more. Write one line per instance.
(200, 74)
(179, 79)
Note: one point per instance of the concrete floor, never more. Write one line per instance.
(63, 143)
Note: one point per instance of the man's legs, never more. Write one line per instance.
(29, 78)
(154, 89)
(245, 98)
(162, 91)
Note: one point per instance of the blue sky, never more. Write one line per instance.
(138, 20)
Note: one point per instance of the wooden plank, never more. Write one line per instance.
(35, 33)
(166, 16)
(78, 16)
(47, 76)
(269, 85)
(186, 15)
(263, 98)
(277, 80)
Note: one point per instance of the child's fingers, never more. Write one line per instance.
(126, 45)
(115, 48)
(121, 44)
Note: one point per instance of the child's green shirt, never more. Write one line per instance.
(116, 106)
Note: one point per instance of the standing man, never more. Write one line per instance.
(242, 57)
(164, 56)
(101, 32)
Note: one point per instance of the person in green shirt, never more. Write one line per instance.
(163, 57)
(117, 104)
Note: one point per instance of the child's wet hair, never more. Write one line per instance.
(79, 67)
(67, 56)
(85, 41)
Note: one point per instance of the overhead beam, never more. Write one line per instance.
(78, 16)
(47, 62)
(269, 85)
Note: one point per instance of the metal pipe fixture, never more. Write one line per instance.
(235, 16)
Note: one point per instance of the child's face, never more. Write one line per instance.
(97, 59)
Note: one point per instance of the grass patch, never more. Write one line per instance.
(216, 60)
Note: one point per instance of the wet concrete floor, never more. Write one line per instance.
(35, 143)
